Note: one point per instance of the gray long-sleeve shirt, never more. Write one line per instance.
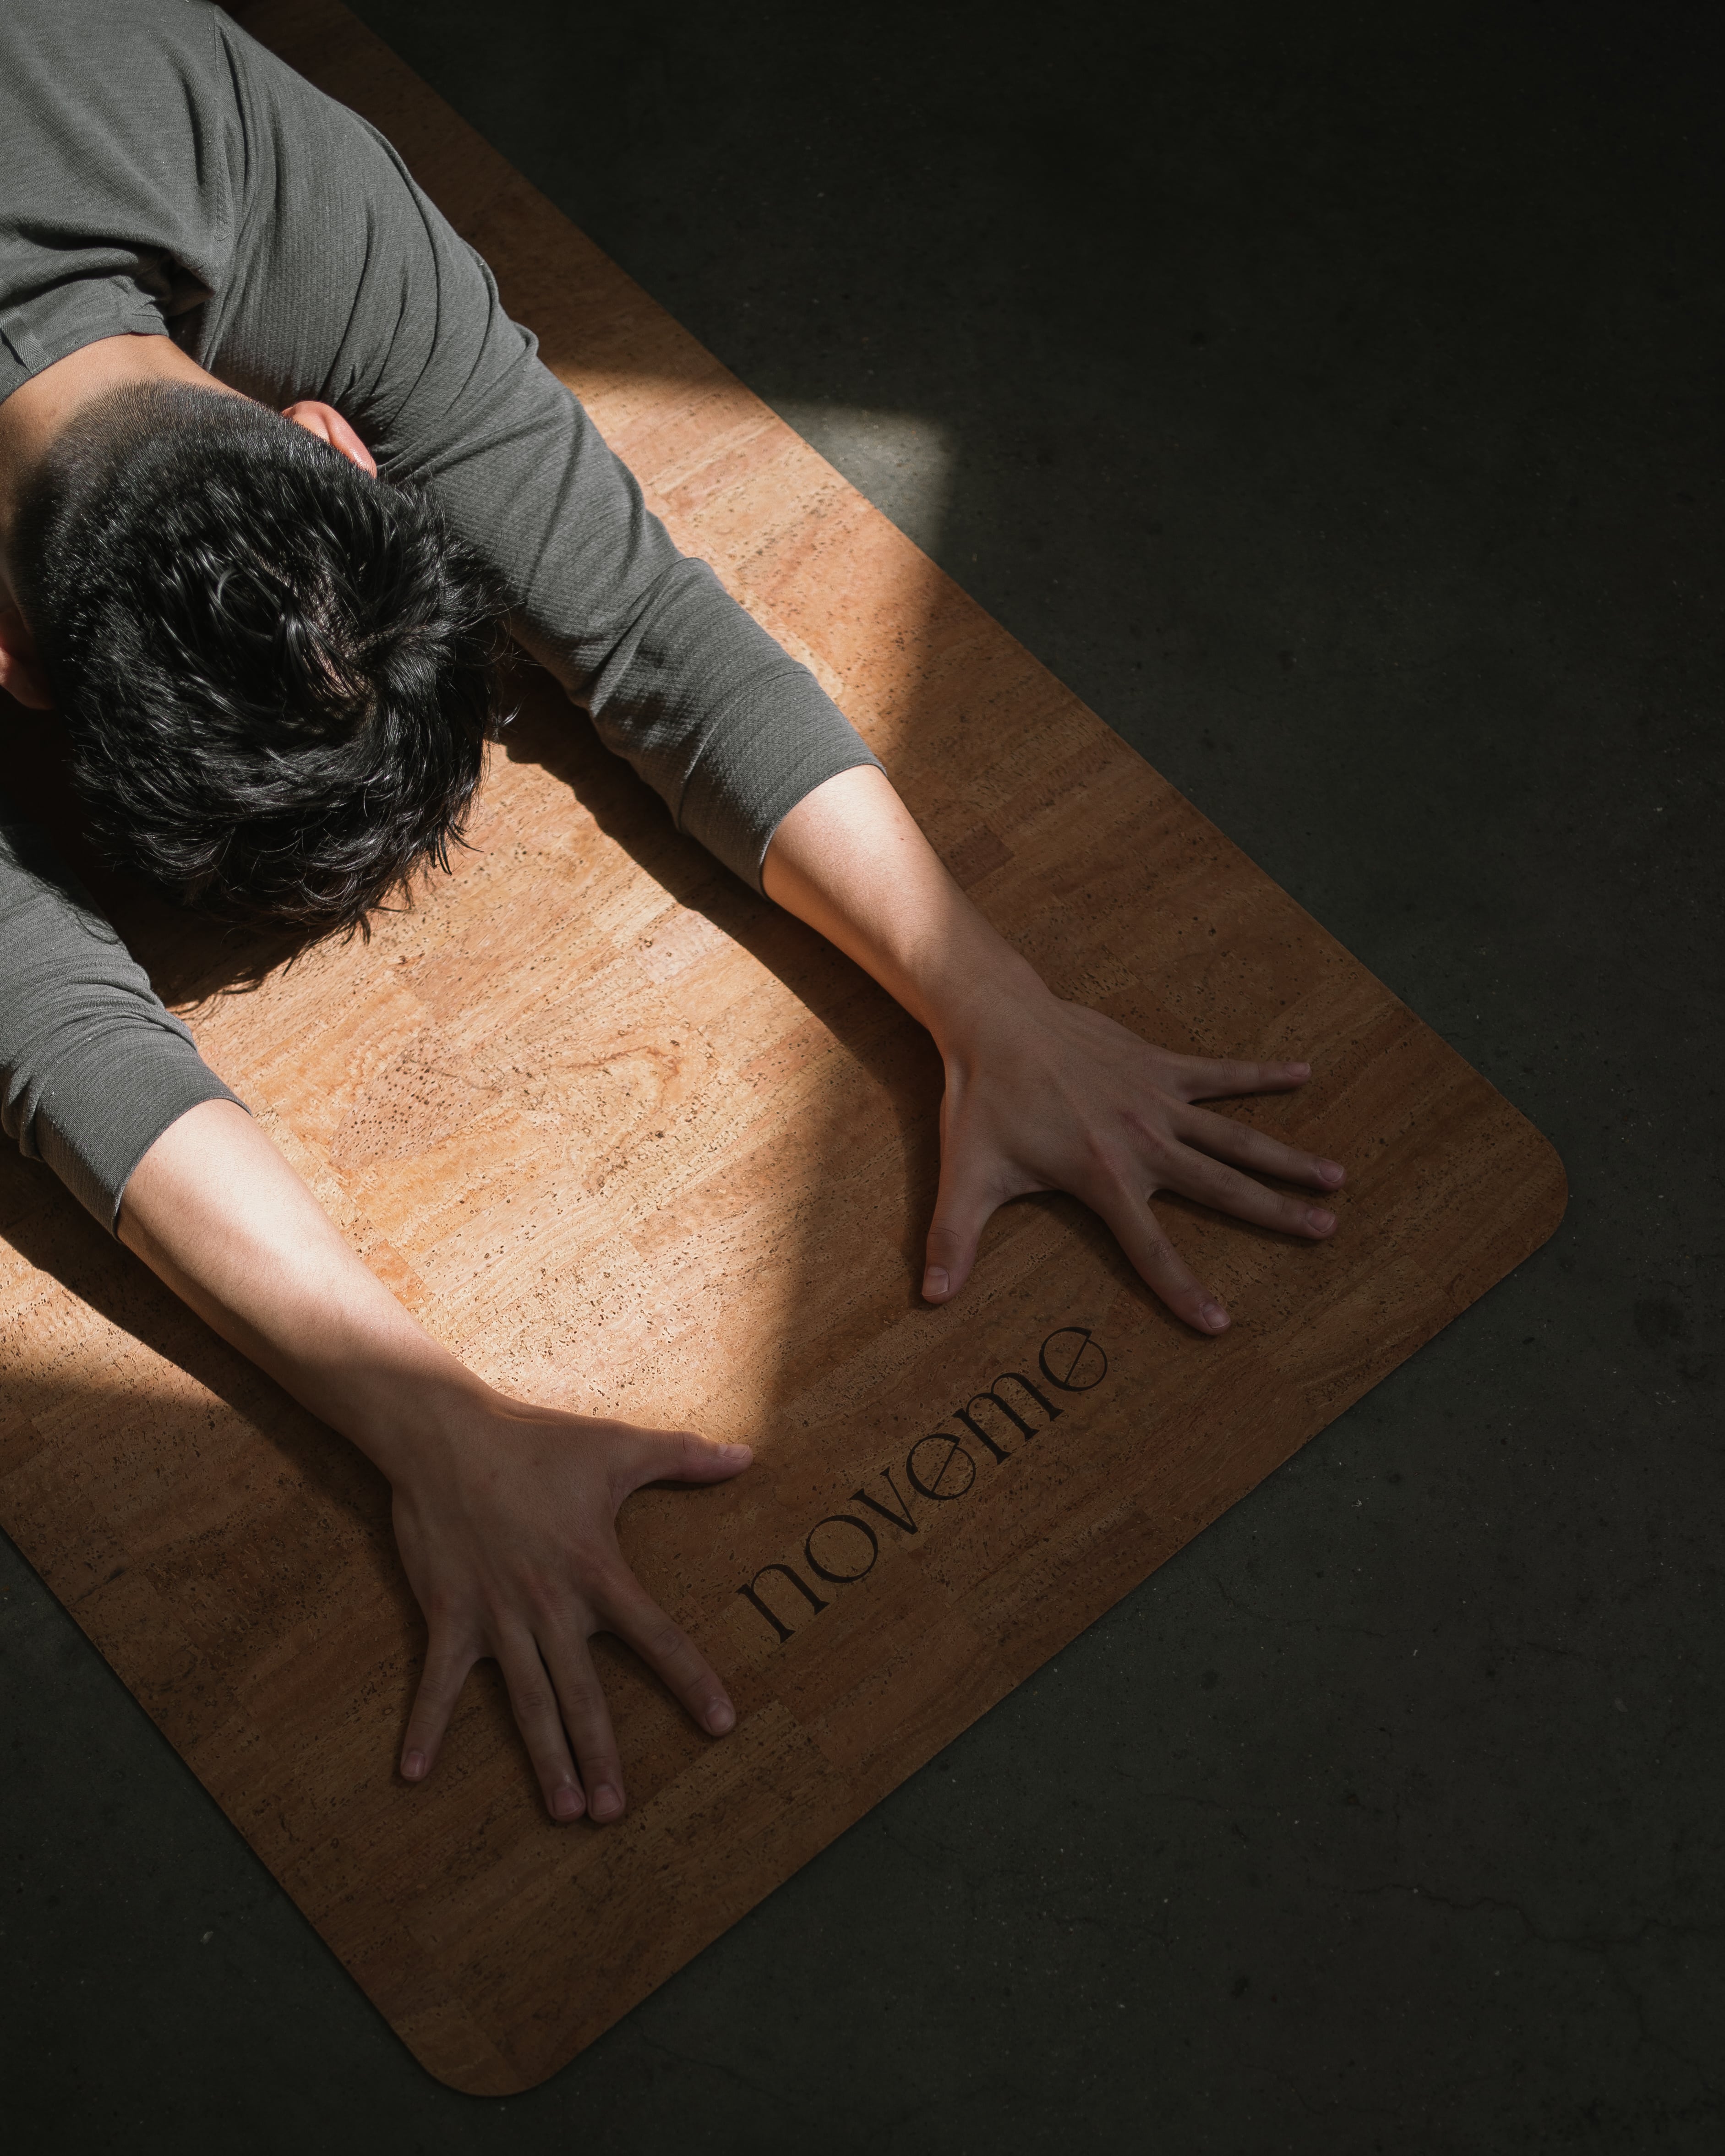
(160, 172)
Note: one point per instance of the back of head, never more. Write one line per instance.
(277, 675)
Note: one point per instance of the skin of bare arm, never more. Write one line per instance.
(1041, 1094)
(504, 1513)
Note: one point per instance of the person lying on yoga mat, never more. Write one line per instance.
(276, 471)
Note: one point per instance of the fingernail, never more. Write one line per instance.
(934, 1281)
(566, 1802)
(720, 1716)
(413, 1766)
(1319, 1221)
(1215, 1317)
(1299, 1071)
(1331, 1172)
(606, 1802)
(738, 1452)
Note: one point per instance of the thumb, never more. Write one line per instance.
(963, 1208)
(682, 1456)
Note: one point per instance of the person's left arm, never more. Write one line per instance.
(1041, 1094)
(754, 760)
(676, 675)
(504, 1511)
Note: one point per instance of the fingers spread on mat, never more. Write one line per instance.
(682, 1456)
(1157, 1262)
(965, 1201)
(1213, 1183)
(632, 1614)
(588, 1719)
(541, 1701)
(1225, 1139)
(448, 1663)
(1208, 1078)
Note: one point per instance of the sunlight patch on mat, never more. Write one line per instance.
(903, 461)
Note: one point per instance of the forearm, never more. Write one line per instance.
(214, 1210)
(850, 860)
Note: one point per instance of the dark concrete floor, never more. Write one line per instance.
(1326, 394)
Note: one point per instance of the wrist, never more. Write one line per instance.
(408, 1422)
(976, 990)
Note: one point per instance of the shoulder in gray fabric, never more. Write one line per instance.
(161, 173)
(93, 1068)
(280, 241)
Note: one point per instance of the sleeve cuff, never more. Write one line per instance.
(134, 1117)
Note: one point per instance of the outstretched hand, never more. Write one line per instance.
(1040, 1094)
(1043, 1095)
(506, 1524)
(505, 1514)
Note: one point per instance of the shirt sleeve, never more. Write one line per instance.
(93, 1068)
(679, 679)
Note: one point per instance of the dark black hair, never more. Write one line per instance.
(276, 674)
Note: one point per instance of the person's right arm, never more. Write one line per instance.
(504, 1513)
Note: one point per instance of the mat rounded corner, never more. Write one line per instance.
(1545, 1187)
(456, 2055)
(1555, 1193)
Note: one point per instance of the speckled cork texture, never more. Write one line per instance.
(627, 1138)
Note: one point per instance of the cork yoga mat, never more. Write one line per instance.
(628, 1139)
